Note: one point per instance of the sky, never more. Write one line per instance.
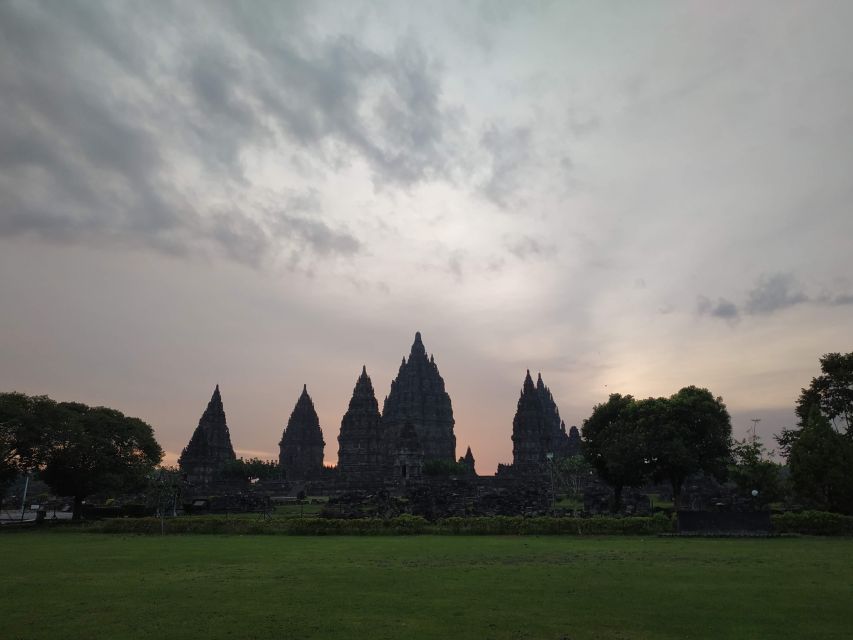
(626, 197)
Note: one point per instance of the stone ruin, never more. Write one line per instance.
(392, 449)
(209, 451)
(418, 397)
(301, 446)
(538, 434)
(361, 445)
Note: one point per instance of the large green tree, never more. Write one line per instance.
(753, 470)
(821, 464)
(96, 449)
(615, 445)
(77, 450)
(22, 435)
(688, 432)
(831, 392)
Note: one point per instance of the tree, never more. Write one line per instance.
(615, 445)
(79, 450)
(831, 392)
(688, 432)
(820, 461)
(753, 470)
(21, 433)
(253, 468)
(164, 490)
(576, 470)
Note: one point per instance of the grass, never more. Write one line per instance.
(74, 585)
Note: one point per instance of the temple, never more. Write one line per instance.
(361, 446)
(538, 434)
(209, 450)
(418, 396)
(468, 462)
(301, 446)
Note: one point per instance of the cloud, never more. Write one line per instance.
(771, 294)
(835, 300)
(722, 308)
(774, 293)
(526, 247)
(509, 151)
(114, 131)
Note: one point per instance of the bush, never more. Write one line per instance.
(816, 523)
(401, 525)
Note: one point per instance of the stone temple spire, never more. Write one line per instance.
(556, 428)
(209, 450)
(361, 449)
(533, 435)
(418, 396)
(468, 462)
(301, 446)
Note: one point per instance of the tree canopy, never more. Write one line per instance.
(832, 393)
(78, 450)
(629, 441)
(688, 432)
(753, 470)
(615, 445)
(820, 461)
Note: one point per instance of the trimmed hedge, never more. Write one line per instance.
(816, 523)
(401, 525)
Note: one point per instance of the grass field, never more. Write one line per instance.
(77, 585)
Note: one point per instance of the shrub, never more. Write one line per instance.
(818, 523)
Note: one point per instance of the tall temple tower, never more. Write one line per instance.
(536, 429)
(301, 446)
(209, 449)
(418, 396)
(529, 431)
(361, 449)
(553, 424)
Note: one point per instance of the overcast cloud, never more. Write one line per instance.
(630, 197)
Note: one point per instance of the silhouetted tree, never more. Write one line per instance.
(832, 393)
(615, 445)
(688, 432)
(754, 470)
(79, 450)
(820, 461)
(22, 433)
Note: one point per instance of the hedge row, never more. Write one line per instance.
(816, 523)
(402, 525)
(807, 523)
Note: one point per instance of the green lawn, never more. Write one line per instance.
(77, 585)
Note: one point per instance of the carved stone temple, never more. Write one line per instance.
(209, 450)
(301, 446)
(537, 430)
(418, 397)
(361, 446)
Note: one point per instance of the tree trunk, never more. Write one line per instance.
(617, 498)
(676, 492)
(77, 513)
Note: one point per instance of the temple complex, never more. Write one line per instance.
(361, 445)
(301, 446)
(209, 450)
(411, 439)
(537, 430)
(418, 396)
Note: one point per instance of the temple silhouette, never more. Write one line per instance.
(414, 432)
